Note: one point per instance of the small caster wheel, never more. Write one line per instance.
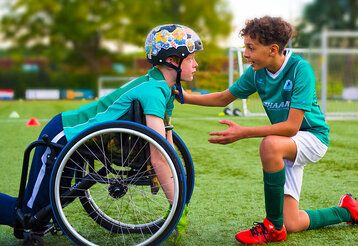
(33, 240)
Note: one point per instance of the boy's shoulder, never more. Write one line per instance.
(296, 63)
(297, 59)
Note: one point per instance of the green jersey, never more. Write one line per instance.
(293, 86)
(150, 90)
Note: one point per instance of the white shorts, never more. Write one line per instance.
(309, 150)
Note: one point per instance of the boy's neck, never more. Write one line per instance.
(277, 63)
(169, 75)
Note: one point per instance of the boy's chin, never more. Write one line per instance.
(187, 79)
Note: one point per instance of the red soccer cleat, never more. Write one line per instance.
(262, 233)
(348, 202)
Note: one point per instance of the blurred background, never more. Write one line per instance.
(71, 49)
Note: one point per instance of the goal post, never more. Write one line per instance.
(107, 84)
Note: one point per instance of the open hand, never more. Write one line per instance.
(233, 133)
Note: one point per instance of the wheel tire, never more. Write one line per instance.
(158, 229)
(187, 161)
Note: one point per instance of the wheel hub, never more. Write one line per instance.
(117, 190)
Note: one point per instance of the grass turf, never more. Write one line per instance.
(228, 194)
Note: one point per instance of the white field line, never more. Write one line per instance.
(215, 118)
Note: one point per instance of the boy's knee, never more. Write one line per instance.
(268, 141)
(291, 225)
(269, 145)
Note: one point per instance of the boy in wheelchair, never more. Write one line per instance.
(171, 50)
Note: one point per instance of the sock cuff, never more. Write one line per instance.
(314, 219)
(275, 178)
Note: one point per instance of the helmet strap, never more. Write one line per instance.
(177, 82)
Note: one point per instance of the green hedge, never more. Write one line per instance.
(212, 81)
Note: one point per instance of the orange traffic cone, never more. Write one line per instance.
(33, 122)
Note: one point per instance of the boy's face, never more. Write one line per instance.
(188, 68)
(258, 55)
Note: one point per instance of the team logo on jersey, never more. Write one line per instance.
(277, 105)
(288, 85)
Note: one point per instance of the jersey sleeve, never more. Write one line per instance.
(154, 102)
(304, 87)
(245, 86)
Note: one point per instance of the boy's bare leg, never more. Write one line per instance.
(295, 220)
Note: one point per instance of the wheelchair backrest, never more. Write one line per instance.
(135, 113)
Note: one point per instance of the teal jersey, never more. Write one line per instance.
(293, 86)
(150, 90)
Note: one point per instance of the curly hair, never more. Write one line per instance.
(268, 30)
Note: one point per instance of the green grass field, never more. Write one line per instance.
(228, 194)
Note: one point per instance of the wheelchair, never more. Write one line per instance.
(104, 189)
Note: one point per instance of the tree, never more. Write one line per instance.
(77, 29)
(331, 15)
(335, 15)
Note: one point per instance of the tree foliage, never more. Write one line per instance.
(331, 15)
(76, 29)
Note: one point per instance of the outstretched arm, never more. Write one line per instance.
(236, 132)
(218, 99)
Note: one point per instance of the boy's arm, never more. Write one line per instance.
(288, 128)
(235, 132)
(218, 99)
(156, 123)
(158, 161)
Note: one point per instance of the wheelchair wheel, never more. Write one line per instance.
(101, 186)
(187, 162)
(89, 204)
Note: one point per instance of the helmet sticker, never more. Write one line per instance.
(190, 44)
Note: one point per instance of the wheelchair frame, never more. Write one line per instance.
(184, 175)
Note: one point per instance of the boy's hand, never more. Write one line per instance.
(229, 135)
(176, 94)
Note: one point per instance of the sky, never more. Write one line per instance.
(290, 10)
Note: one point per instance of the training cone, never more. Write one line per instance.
(33, 122)
(14, 115)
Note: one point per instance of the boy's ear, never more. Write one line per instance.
(171, 60)
(274, 49)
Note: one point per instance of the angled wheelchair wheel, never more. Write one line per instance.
(101, 186)
(187, 162)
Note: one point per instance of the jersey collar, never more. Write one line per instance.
(156, 74)
(287, 57)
